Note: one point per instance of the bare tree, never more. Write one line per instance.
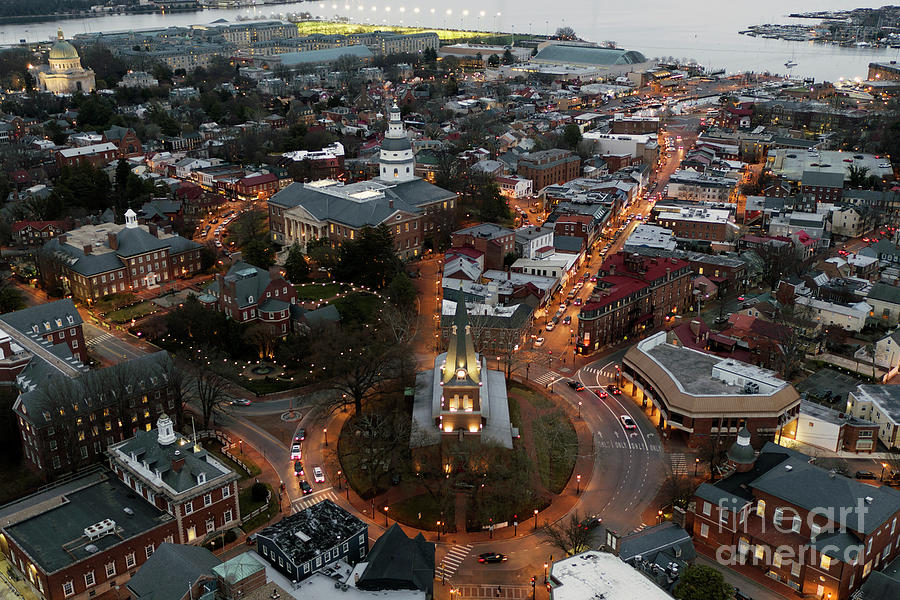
(677, 490)
(775, 260)
(180, 389)
(568, 534)
(210, 391)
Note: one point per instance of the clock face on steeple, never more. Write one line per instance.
(461, 374)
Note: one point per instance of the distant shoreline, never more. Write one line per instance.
(23, 19)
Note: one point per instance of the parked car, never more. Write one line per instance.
(491, 557)
(567, 320)
(865, 475)
(298, 468)
(538, 342)
(318, 475)
(295, 451)
(575, 385)
(628, 422)
(578, 302)
(549, 326)
(305, 487)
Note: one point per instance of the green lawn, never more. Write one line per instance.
(114, 301)
(538, 401)
(556, 448)
(263, 517)
(246, 501)
(407, 512)
(358, 307)
(317, 291)
(123, 315)
(215, 448)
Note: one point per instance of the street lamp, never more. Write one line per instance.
(325, 431)
(577, 485)
(339, 478)
(535, 518)
(696, 464)
(659, 516)
(883, 467)
(385, 515)
(241, 446)
(545, 572)
(579, 409)
(439, 530)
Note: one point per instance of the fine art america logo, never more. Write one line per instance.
(784, 536)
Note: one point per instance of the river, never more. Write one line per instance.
(694, 29)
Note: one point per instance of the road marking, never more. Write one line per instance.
(100, 338)
(548, 378)
(451, 561)
(314, 498)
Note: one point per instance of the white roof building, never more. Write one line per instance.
(592, 575)
(651, 236)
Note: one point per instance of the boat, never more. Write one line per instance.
(790, 64)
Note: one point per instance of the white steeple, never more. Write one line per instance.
(397, 163)
(130, 219)
(165, 431)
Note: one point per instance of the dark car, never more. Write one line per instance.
(575, 385)
(298, 468)
(612, 389)
(305, 487)
(591, 522)
(865, 475)
(739, 595)
(301, 435)
(491, 557)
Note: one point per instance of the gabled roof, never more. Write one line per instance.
(167, 573)
(398, 562)
(885, 293)
(48, 317)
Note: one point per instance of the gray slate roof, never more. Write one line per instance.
(249, 281)
(48, 317)
(592, 55)
(325, 524)
(885, 293)
(823, 179)
(166, 574)
(147, 449)
(646, 543)
(408, 197)
(398, 562)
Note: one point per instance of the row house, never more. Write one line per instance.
(493, 241)
(633, 293)
(256, 187)
(811, 531)
(98, 155)
(548, 167)
(37, 233)
(57, 322)
(126, 140)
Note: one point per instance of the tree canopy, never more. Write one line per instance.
(369, 260)
(699, 582)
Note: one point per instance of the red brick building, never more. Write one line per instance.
(57, 322)
(97, 260)
(580, 226)
(493, 241)
(83, 540)
(633, 293)
(177, 475)
(811, 531)
(126, 140)
(249, 294)
(256, 187)
(37, 233)
(823, 186)
(68, 425)
(98, 155)
(549, 167)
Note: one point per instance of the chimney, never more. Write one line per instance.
(86, 248)
(391, 202)
(612, 269)
(112, 240)
(177, 462)
(154, 230)
(275, 272)
(695, 327)
(167, 230)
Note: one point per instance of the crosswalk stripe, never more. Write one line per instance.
(451, 561)
(304, 503)
(100, 338)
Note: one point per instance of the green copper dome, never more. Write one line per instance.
(62, 50)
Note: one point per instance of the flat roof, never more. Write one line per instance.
(55, 538)
(601, 575)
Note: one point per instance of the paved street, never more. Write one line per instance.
(106, 346)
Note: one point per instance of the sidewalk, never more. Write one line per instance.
(561, 506)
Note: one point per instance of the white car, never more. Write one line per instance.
(538, 342)
(318, 475)
(296, 454)
(628, 422)
(549, 326)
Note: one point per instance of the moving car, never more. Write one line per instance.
(628, 422)
(601, 394)
(298, 468)
(301, 435)
(612, 389)
(865, 475)
(591, 522)
(491, 557)
(549, 326)
(318, 475)
(240, 402)
(575, 385)
(567, 320)
(538, 342)
(295, 451)
(305, 487)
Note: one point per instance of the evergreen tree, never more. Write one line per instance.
(296, 268)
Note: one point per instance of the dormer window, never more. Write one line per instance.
(71, 319)
(59, 322)
(250, 299)
(201, 478)
(35, 328)
(47, 325)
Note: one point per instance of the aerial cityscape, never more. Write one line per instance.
(443, 302)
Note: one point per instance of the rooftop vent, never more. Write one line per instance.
(98, 530)
(788, 468)
(869, 499)
(91, 549)
(128, 511)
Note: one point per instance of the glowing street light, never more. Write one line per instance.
(535, 518)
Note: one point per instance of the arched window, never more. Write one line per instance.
(396, 173)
